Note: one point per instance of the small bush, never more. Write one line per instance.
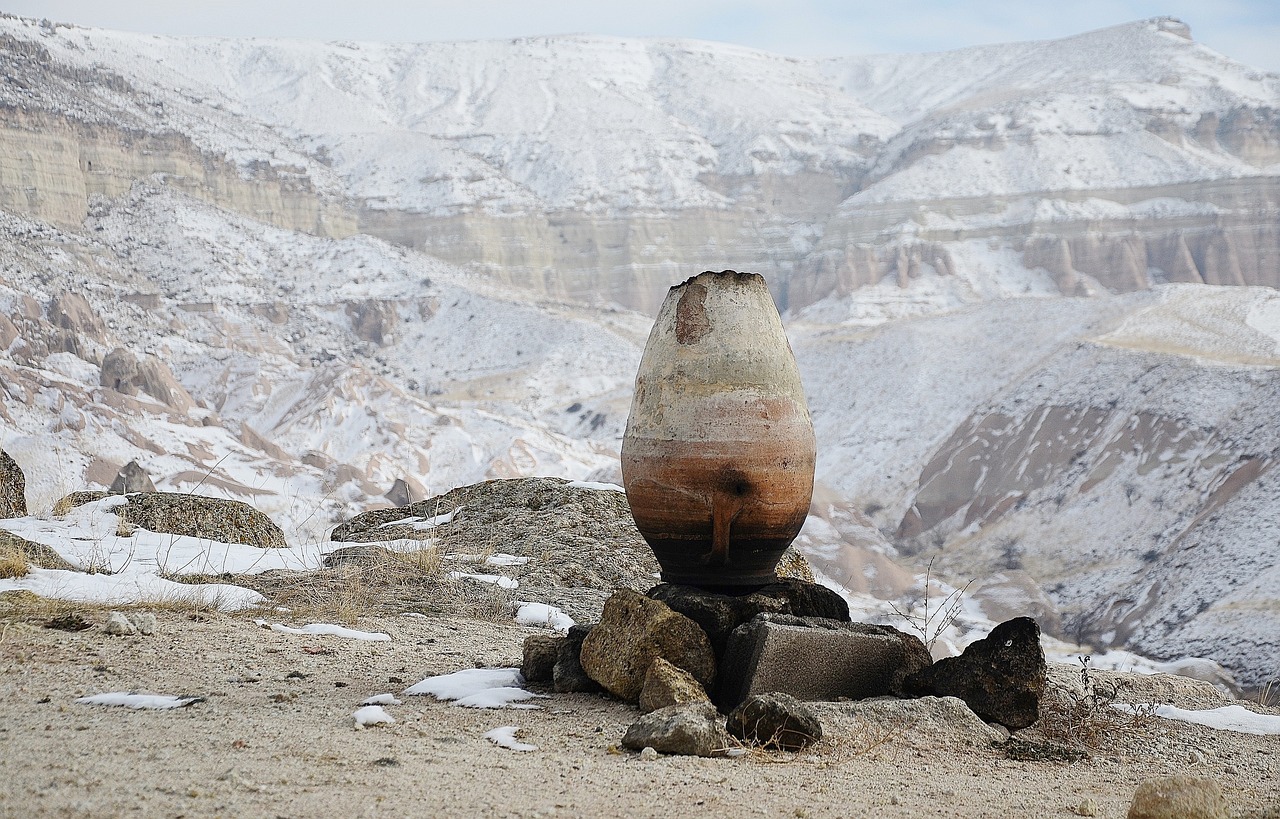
(1088, 717)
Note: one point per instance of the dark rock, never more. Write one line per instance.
(1001, 677)
(813, 658)
(719, 614)
(399, 494)
(13, 488)
(226, 521)
(775, 720)
(665, 685)
(1178, 797)
(696, 729)
(567, 675)
(131, 478)
(540, 652)
(632, 632)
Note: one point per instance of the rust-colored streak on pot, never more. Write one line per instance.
(719, 453)
(691, 315)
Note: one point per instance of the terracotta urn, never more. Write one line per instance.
(718, 455)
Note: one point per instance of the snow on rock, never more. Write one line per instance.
(372, 715)
(505, 737)
(327, 629)
(382, 699)
(497, 579)
(149, 702)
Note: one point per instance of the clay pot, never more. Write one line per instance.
(718, 455)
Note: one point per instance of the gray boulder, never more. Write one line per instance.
(13, 488)
(776, 721)
(1001, 677)
(227, 521)
(696, 729)
(813, 658)
(131, 478)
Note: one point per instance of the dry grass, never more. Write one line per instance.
(373, 580)
(1088, 718)
(13, 561)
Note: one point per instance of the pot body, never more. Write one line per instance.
(718, 455)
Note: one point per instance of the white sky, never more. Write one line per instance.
(1246, 30)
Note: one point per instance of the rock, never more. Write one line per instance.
(929, 721)
(666, 685)
(695, 729)
(1087, 807)
(126, 374)
(1178, 797)
(568, 676)
(120, 372)
(813, 658)
(775, 720)
(37, 554)
(119, 625)
(399, 494)
(1001, 677)
(793, 566)
(540, 652)
(633, 631)
(144, 622)
(131, 478)
(719, 614)
(226, 521)
(1167, 689)
(648, 753)
(68, 502)
(13, 488)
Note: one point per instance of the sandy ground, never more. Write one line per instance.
(274, 737)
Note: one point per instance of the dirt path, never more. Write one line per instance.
(274, 737)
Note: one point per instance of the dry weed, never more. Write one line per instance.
(13, 561)
(1088, 718)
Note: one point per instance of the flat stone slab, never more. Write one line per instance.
(815, 659)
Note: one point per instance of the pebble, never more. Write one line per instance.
(647, 752)
(1087, 807)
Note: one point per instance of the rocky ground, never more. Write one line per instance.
(274, 736)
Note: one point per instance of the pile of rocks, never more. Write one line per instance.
(686, 656)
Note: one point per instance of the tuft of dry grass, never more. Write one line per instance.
(372, 580)
(1087, 717)
(13, 561)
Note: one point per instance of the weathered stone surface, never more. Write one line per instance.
(931, 721)
(816, 659)
(666, 685)
(37, 554)
(632, 632)
(131, 478)
(1178, 797)
(793, 566)
(125, 373)
(226, 521)
(775, 720)
(719, 614)
(13, 488)
(695, 729)
(1001, 677)
(568, 675)
(399, 494)
(1169, 689)
(118, 625)
(540, 652)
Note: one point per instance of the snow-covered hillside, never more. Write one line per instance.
(332, 266)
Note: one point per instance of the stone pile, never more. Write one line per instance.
(714, 672)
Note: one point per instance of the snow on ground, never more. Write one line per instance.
(505, 737)
(1227, 718)
(477, 688)
(327, 629)
(382, 699)
(499, 580)
(150, 702)
(372, 715)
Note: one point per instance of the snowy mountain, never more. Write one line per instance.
(293, 273)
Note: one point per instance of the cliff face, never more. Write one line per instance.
(601, 170)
